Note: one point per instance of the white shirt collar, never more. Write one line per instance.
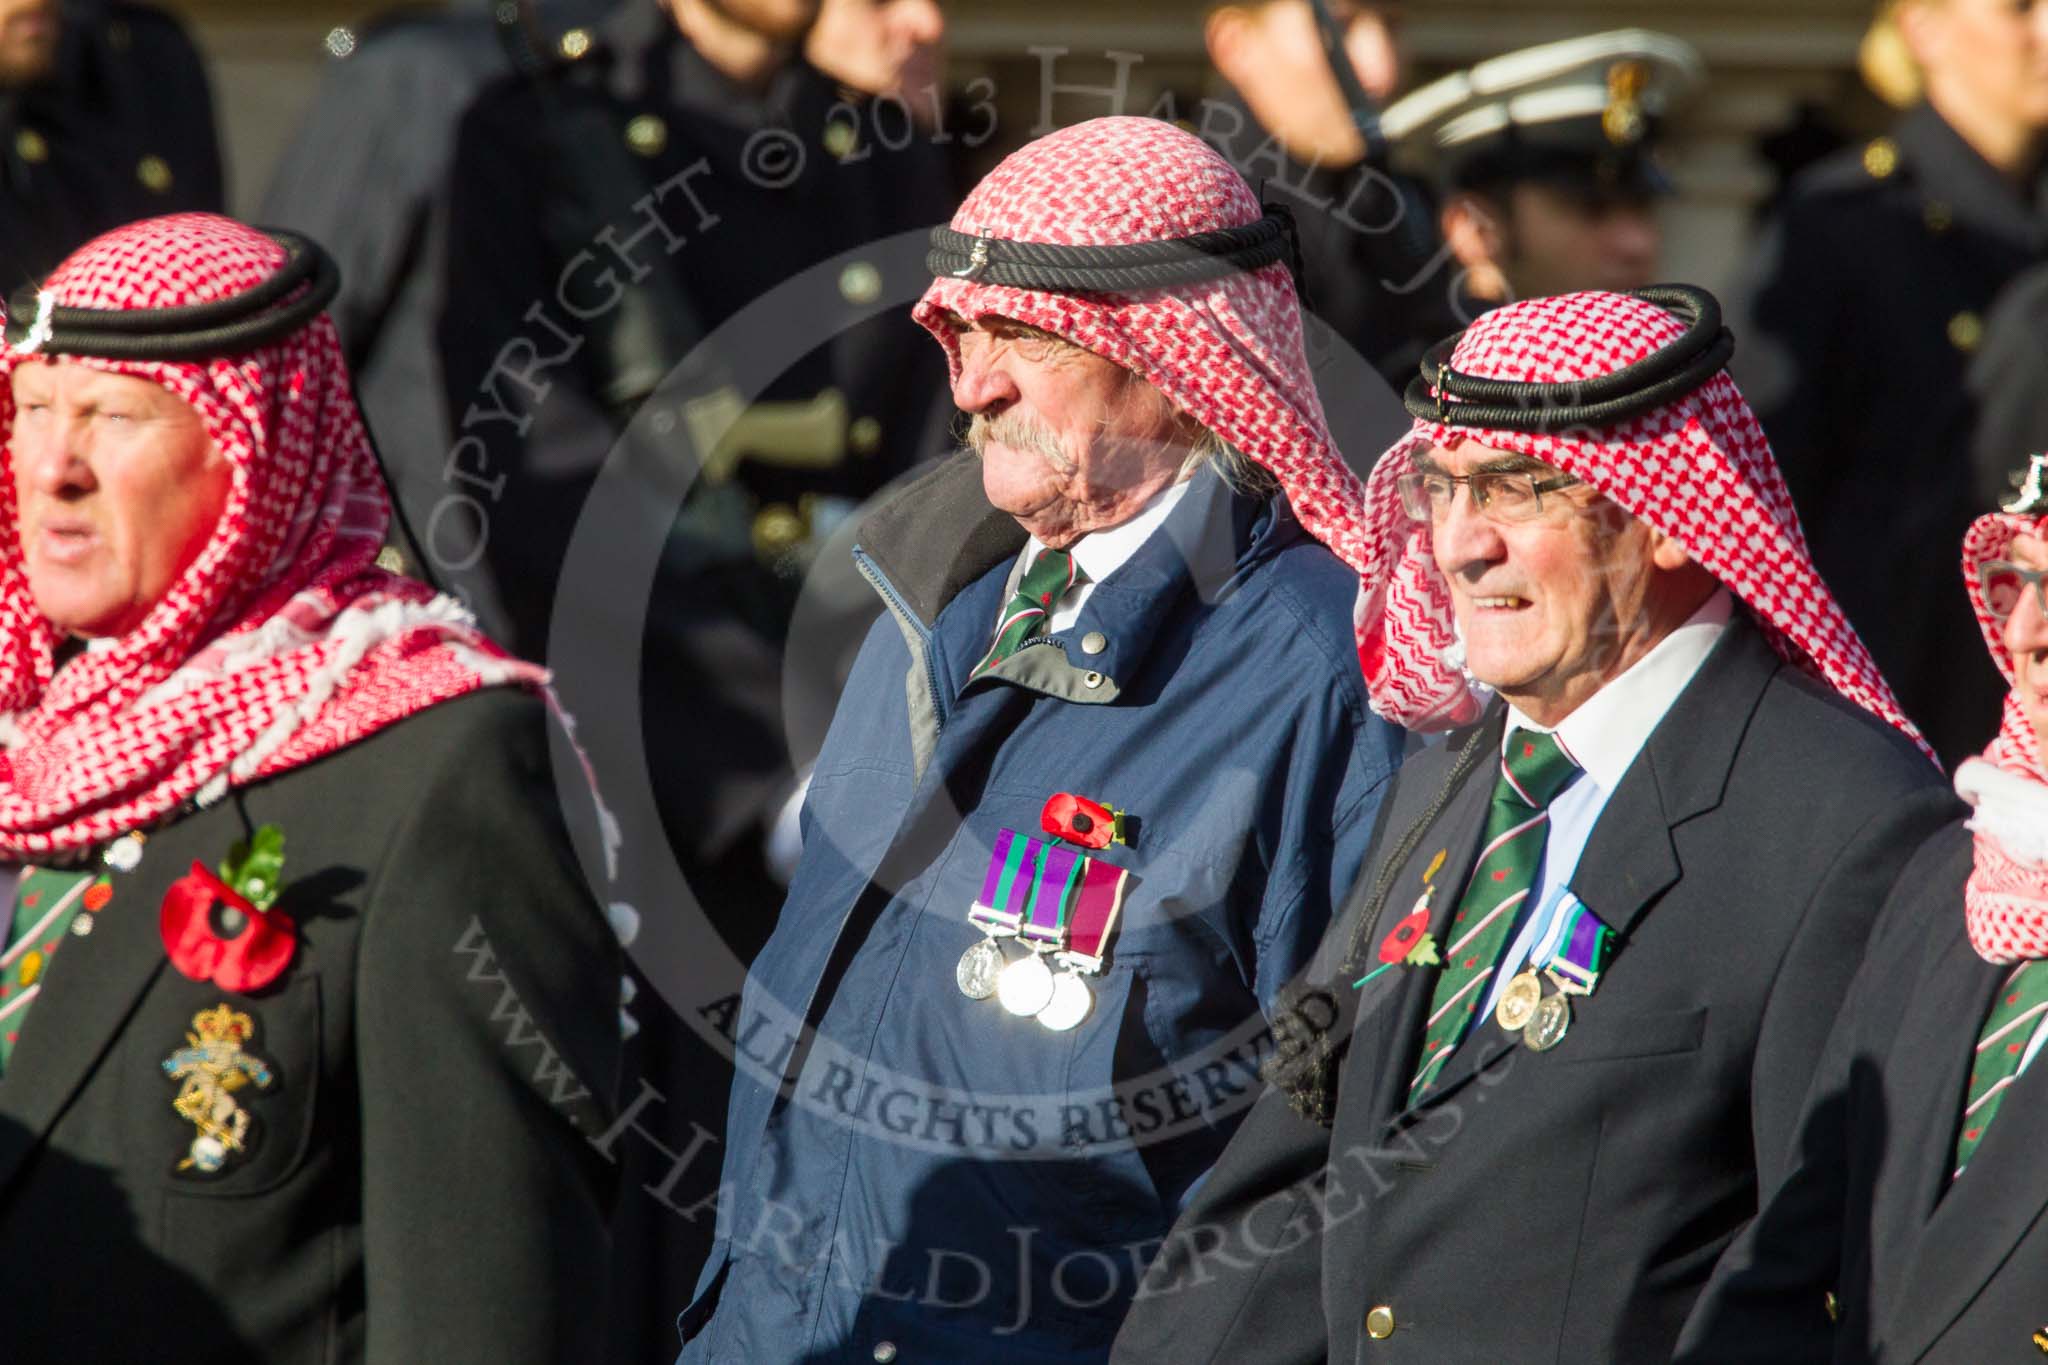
(1610, 727)
(1102, 553)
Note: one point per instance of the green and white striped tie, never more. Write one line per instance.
(1534, 770)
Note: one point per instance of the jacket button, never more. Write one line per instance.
(1094, 642)
(647, 135)
(1379, 1323)
(885, 1351)
(1091, 680)
(1965, 331)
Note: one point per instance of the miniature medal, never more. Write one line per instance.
(1548, 1022)
(977, 970)
(1518, 1001)
(1071, 1000)
(1025, 986)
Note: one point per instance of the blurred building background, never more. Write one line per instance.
(1782, 86)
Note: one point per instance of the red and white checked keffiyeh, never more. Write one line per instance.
(2005, 904)
(1228, 352)
(282, 642)
(1698, 470)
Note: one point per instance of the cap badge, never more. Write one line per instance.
(1622, 120)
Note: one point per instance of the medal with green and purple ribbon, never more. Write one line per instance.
(982, 963)
(1572, 953)
(1581, 948)
(1026, 985)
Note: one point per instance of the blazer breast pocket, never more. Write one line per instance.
(223, 1086)
(1635, 1036)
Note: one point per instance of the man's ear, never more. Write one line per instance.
(1922, 30)
(1666, 553)
(1474, 231)
(1225, 33)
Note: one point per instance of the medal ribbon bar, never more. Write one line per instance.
(1056, 876)
(1582, 952)
(1096, 908)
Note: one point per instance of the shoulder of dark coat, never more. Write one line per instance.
(1922, 914)
(1846, 175)
(1804, 724)
(470, 740)
(149, 27)
(422, 41)
(1935, 874)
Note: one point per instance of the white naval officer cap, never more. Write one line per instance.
(1584, 110)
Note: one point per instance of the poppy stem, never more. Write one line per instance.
(1360, 983)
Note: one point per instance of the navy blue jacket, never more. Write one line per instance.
(914, 1175)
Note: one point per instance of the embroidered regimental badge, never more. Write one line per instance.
(214, 1064)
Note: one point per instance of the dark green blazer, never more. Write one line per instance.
(417, 1186)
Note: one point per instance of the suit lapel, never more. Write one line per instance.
(92, 984)
(1391, 1033)
(1956, 1234)
(1681, 773)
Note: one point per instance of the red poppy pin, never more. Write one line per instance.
(222, 928)
(1410, 940)
(1078, 820)
(1409, 943)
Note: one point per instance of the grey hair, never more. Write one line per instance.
(1238, 470)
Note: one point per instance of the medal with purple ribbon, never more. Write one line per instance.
(1582, 949)
(1026, 985)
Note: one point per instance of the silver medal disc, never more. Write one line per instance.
(1518, 1002)
(1548, 1024)
(1025, 985)
(1070, 1003)
(978, 968)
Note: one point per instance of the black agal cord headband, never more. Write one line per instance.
(1469, 400)
(1117, 269)
(302, 287)
(273, 310)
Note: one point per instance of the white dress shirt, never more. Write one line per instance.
(1099, 553)
(1603, 736)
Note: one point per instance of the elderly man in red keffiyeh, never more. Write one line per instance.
(284, 857)
(1576, 997)
(1094, 788)
(1914, 1214)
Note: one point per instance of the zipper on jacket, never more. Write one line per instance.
(896, 604)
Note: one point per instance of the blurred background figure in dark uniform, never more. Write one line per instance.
(739, 165)
(1876, 282)
(2008, 402)
(614, 204)
(105, 117)
(1306, 81)
(1546, 161)
(366, 175)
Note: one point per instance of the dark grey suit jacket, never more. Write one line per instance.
(1567, 1205)
(1924, 1269)
(418, 1186)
